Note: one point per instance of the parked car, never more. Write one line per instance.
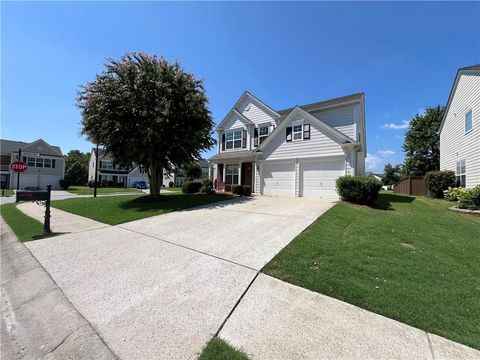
(140, 185)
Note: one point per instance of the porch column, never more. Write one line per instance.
(224, 171)
(239, 173)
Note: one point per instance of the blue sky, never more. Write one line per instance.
(402, 55)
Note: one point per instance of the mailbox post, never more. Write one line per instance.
(39, 197)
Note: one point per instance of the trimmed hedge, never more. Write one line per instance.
(247, 190)
(64, 184)
(470, 199)
(207, 187)
(191, 187)
(170, 184)
(358, 189)
(237, 189)
(439, 181)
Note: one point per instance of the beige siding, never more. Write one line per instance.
(455, 145)
(318, 145)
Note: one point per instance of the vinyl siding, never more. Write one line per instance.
(233, 122)
(342, 119)
(318, 145)
(255, 112)
(455, 145)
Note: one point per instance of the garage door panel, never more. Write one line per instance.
(319, 178)
(49, 180)
(279, 179)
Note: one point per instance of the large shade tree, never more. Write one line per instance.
(145, 110)
(76, 167)
(422, 142)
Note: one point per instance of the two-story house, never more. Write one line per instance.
(45, 164)
(460, 128)
(299, 151)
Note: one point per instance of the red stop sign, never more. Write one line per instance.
(18, 166)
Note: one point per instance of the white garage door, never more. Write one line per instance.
(49, 180)
(278, 179)
(133, 179)
(317, 179)
(25, 181)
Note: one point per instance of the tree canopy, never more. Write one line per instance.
(193, 171)
(422, 142)
(145, 110)
(392, 174)
(76, 167)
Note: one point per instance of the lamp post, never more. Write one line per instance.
(96, 172)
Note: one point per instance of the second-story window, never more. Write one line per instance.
(262, 133)
(233, 140)
(468, 121)
(106, 164)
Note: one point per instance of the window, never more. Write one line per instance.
(298, 132)
(262, 133)
(106, 164)
(39, 163)
(234, 139)
(231, 174)
(461, 173)
(47, 163)
(30, 161)
(468, 121)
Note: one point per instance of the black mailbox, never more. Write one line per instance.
(32, 196)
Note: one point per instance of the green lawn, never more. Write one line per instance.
(217, 349)
(85, 190)
(115, 210)
(24, 227)
(6, 192)
(409, 259)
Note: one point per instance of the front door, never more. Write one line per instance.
(247, 174)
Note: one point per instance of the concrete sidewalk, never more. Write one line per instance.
(38, 321)
(277, 320)
(60, 221)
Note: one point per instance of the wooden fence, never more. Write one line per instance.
(412, 185)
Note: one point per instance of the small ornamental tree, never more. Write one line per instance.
(193, 171)
(392, 174)
(145, 110)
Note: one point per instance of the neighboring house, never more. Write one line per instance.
(460, 128)
(111, 174)
(299, 151)
(379, 177)
(45, 164)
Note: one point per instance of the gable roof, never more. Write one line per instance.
(326, 103)
(12, 146)
(242, 117)
(244, 95)
(331, 132)
(460, 72)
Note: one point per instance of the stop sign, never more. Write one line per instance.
(18, 166)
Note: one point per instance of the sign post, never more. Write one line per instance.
(18, 166)
(40, 197)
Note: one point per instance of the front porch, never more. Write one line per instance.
(230, 173)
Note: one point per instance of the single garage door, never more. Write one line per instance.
(278, 179)
(49, 180)
(25, 181)
(317, 179)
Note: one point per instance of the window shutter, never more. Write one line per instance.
(100, 166)
(244, 139)
(288, 134)
(53, 164)
(255, 137)
(223, 142)
(306, 131)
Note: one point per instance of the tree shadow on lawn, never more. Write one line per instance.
(384, 201)
(185, 202)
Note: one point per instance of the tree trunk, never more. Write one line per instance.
(156, 178)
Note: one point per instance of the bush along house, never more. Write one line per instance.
(299, 151)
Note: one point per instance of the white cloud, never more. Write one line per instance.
(403, 125)
(385, 152)
(375, 162)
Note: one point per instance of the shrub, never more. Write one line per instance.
(470, 199)
(64, 184)
(170, 184)
(191, 187)
(358, 189)
(453, 194)
(237, 189)
(207, 187)
(438, 181)
(247, 190)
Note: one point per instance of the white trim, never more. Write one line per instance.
(233, 140)
(297, 123)
(465, 121)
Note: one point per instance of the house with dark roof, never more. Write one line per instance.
(45, 164)
(299, 151)
(460, 128)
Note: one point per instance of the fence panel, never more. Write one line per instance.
(412, 185)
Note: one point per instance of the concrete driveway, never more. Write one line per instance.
(162, 287)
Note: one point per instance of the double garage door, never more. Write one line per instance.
(315, 178)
